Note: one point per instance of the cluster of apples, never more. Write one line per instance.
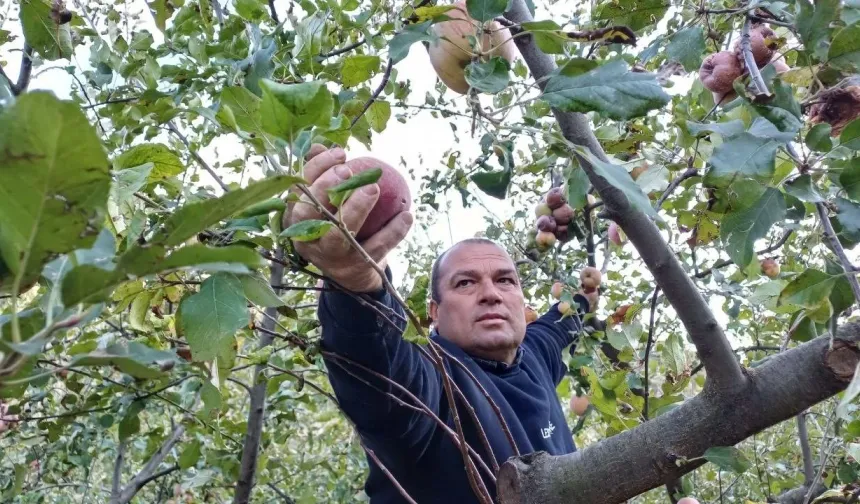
(553, 216)
(719, 70)
(589, 279)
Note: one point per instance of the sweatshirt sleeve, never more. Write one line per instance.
(550, 334)
(358, 333)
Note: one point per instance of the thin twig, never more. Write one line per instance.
(172, 127)
(111, 101)
(116, 486)
(648, 347)
(419, 405)
(219, 12)
(688, 173)
(26, 70)
(722, 263)
(148, 473)
(375, 95)
(749, 60)
(274, 12)
(390, 476)
(847, 267)
(808, 468)
(344, 49)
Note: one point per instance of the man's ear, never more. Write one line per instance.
(434, 311)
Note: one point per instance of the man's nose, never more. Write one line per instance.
(490, 293)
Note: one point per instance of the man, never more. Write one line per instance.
(477, 309)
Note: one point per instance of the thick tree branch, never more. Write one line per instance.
(711, 343)
(654, 452)
(148, 473)
(257, 411)
(117, 471)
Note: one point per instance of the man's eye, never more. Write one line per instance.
(509, 280)
(463, 283)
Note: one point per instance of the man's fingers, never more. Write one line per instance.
(315, 150)
(355, 210)
(326, 181)
(386, 239)
(321, 162)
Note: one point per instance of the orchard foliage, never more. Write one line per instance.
(135, 275)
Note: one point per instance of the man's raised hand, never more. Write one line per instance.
(333, 254)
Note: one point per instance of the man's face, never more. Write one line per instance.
(482, 306)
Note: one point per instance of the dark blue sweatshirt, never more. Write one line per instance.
(410, 444)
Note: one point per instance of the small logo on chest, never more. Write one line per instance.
(546, 432)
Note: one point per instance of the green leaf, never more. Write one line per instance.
(673, 354)
(687, 47)
(190, 455)
(740, 230)
(803, 189)
(308, 230)
(251, 10)
(50, 40)
(357, 69)
(813, 24)
(809, 289)
(161, 11)
(577, 185)
(432, 12)
(727, 458)
(211, 397)
(289, 108)
(378, 114)
(165, 162)
(744, 156)
(849, 179)
(486, 10)
(130, 423)
(782, 110)
(848, 215)
(139, 310)
(309, 34)
(54, 182)
(127, 182)
(611, 89)
(195, 217)
(819, 139)
(851, 393)
(726, 129)
(548, 35)
(245, 107)
(400, 44)
(494, 183)
(258, 291)
(850, 136)
(210, 318)
(131, 357)
(88, 282)
(635, 14)
(844, 50)
(618, 177)
(489, 77)
(339, 193)
(263, 208)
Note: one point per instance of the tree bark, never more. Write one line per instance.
(653, 453)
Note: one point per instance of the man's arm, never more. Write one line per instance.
(359, 334)
(550, 334)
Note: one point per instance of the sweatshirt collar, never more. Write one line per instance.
(490, 365)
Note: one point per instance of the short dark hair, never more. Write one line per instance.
(435, 294)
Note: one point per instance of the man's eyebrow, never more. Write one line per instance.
(475, 273)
